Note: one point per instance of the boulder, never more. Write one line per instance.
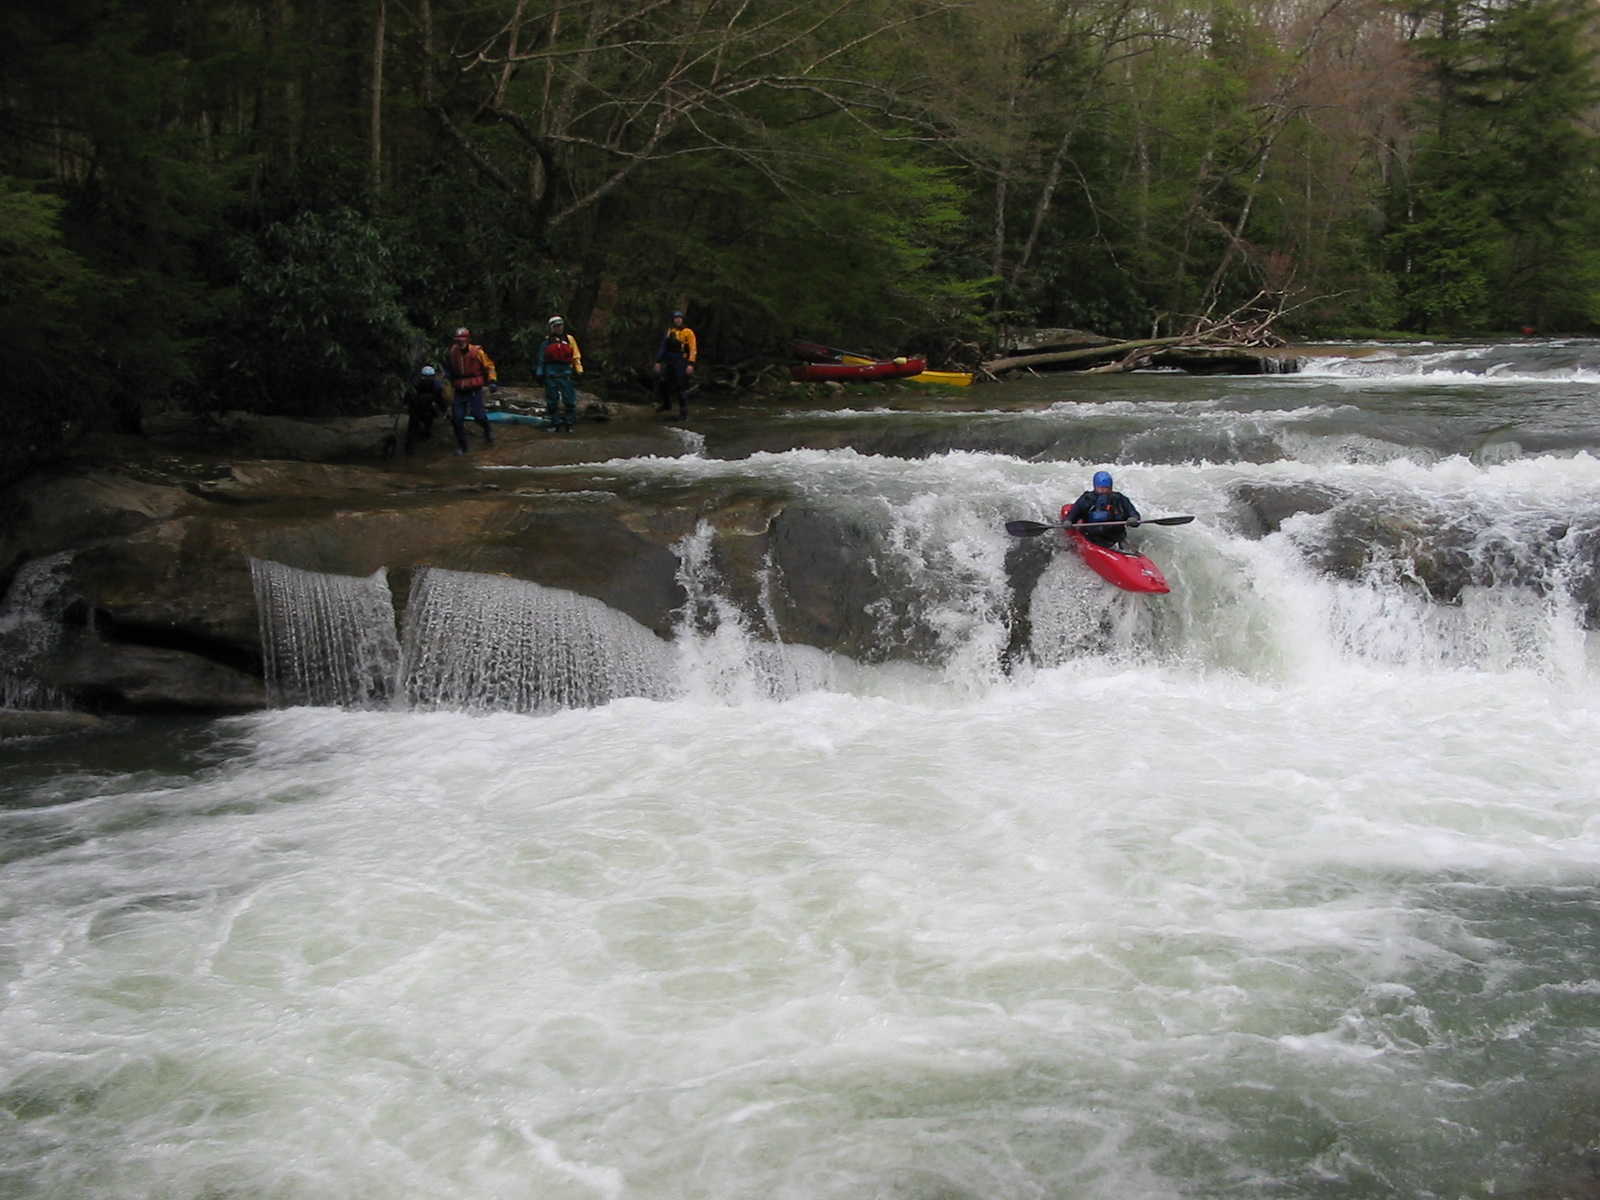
(44, 515)
(1226, 360)
(257, 435)
(107, 676)
(1262, 508)
(25, 723)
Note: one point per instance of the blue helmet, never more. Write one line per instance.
(1102, 479)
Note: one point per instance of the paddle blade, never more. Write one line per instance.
(1166, 520)
(1027, 528)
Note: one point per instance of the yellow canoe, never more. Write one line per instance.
(945, 378)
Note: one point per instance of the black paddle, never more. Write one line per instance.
(1035, 528)
(816, 349)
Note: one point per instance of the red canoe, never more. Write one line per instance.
(1129, 571)
(884, 368)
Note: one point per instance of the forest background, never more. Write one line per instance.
(286, 205)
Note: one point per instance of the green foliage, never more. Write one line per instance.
(1446, 249)
(229, 204)
(320, 326)
(1505, 185)
(851, 241)
(53, 386)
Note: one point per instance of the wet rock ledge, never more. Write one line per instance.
(148, 603)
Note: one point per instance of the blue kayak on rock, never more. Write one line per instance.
(499, 414)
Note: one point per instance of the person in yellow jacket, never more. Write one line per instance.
(471, 370)
(558, 362)
(675, 362)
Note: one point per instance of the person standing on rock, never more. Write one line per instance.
(558, 362)
(675, 361)
(428, 398)
(471, 370)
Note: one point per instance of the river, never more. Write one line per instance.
(1281, 885)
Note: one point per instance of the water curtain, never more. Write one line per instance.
(325, 639)
(487, 642)
(30, 629)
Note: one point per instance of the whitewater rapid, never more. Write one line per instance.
(1281, 885)
(1121, 933)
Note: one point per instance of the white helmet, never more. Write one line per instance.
(554, 321)
(427, 370)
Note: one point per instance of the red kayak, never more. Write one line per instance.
(883, 368)
(1129, 571)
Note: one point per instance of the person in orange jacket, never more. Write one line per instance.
(558, 361)
(471, 370)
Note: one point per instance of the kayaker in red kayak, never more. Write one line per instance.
(1098, 505)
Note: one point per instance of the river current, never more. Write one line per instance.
(1281, 885)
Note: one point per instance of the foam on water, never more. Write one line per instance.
(1487, 366)
(835, 946)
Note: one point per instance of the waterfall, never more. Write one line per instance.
(325, 639)
(30, 628)
(1289, 573)
(486, 642)
(722, 654)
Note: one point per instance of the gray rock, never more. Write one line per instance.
(129, 678)
(43, 515)
(255, 435)
(1262, 508)
(21, 723)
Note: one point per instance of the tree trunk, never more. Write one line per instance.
(1088, 354)
(425, 23)
(375, 119)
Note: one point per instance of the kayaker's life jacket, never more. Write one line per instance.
(1112, 506)
(678, 344)
(558, 350)
(469, 368)
(1109, 509)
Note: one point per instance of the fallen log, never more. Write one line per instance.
(1088, 354)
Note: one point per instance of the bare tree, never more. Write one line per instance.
(616, 85)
